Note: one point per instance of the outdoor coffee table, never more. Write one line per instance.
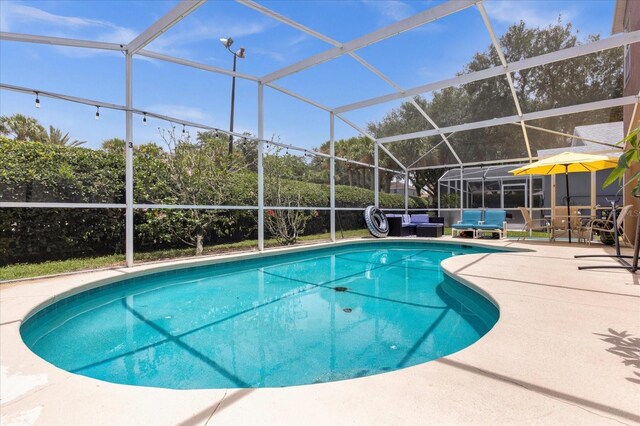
(429, 230)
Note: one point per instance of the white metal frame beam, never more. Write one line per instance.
(554, 112)
(59, 41)
(407, 24)
(175, 15)
(503, 61)
(547, 58)
(567, 135)
(476, 163)
(129, 160)
(193, 64)
(335, 43)
(365, 133)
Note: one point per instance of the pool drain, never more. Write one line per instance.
(347, 310)
(340, 288)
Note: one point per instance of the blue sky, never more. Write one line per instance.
(429, 53)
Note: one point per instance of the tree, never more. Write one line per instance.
(281, 175)
(23, 128)
(114, 145)
(55, 137)
(200, 173)
(358, 149)
(584, 79)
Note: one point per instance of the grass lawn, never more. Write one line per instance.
(30, 270)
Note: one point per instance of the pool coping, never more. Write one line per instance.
(579, 382)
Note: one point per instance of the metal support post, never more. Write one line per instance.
(406, 191)
(260, 167)
(461, 191)
(593, 195)
(439, 207)
(332, 175)
(376, 177)
(129, 160)
(531, 201)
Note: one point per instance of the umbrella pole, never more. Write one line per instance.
(566, 177)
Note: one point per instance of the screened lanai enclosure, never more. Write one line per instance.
(194, 181)
(494, 187)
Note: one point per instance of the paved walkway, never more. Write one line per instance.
(566, 350)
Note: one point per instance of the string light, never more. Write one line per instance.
(97, 112)
(144, 119)
(217, 134)
(37, 101)
(183, 130)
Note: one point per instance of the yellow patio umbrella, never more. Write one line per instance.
(567, 162)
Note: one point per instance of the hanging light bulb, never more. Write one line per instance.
(217, 134)
(183, 130)
(37, 101)
(144, 119)
(97, 112)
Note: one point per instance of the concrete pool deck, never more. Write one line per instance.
(566, 350)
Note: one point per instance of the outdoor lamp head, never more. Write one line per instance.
(240, 53)
(226, 42)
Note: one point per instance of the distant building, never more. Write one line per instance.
(397, 187)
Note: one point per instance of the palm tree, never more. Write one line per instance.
(22, 128)
(55, 137)
(116, 145)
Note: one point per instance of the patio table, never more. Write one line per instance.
(584, 221)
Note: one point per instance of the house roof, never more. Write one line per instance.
(608, 133)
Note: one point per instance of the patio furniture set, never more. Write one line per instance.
(583, 226)
(420, 225)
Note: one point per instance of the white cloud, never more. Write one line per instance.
(276, 56)
(181, 111)
(390, 10)
(174, 41)
(15, 16)
(534, 13)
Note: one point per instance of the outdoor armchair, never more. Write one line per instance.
(469, 219)
(604, 227)
(495, 221)
(531, 224)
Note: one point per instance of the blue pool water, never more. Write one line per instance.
(309, 317)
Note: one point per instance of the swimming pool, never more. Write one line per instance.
(298, 318)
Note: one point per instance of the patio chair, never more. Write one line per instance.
(495, 221)
(604, 227)
(531, 224)
(559, 228)
(469, 219)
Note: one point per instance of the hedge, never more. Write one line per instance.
(38, 172)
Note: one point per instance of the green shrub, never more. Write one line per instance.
(40, 172)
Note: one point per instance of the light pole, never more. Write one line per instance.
(227, 42)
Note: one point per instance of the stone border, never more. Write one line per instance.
(541, 363)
